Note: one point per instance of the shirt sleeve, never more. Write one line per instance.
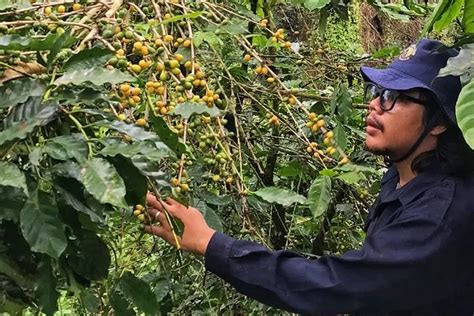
(403, 265)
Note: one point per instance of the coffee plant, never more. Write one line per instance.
(210, 102)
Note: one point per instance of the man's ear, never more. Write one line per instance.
(438, 130)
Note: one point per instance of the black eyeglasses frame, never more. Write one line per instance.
(380, 92)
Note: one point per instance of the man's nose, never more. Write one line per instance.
(374, 105)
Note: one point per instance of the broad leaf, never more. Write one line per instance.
(235, 27)
(209, 37)
(11, 201)
(90, 301)
(89, 257)
(18, 91)
(443, 15)
(60, 43)
(45, 289)
(340, 136)
(32, 114)
(189, 108)
(468, 17)
(465, 113)
(135, 182)
(41, 226)
(86, 96)
(67, 147)
(352, 177)
(101, 180)
(461, 65)
(120, 305)
(212, 219)
(316, 4)
(17, 42)
(10, 175)
(280, 196)
(79, 205)
(132, 130)
(96, 76)
(67, 169)
(154, 151)
(139, 293)
(88, 58)
(293, 169)
(166, 135)
(319, 195)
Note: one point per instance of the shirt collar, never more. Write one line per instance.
(410, 191)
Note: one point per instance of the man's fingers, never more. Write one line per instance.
(153, 202)
(159, 216)
(162, 232)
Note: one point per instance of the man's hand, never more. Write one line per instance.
(197, 233)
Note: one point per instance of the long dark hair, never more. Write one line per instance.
(453, 153)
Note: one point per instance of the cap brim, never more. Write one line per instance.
(391, 78)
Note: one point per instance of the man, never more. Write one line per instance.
(417, 258)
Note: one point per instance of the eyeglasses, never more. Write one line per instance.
(388, 97)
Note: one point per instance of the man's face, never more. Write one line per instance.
(393, 132)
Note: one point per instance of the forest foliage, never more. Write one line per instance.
(223, 105)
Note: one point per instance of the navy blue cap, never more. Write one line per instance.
(418, 67)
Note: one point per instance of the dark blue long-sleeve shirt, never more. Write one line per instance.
(417, 258)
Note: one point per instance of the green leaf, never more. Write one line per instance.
(17, 42)
(465, 113)
(209, 37)
(468, 17)
(67, 147)
(460, 65)
(319, 195)
(316, 4)
(341, 102)
(211, 198)
(67, 169)
(89, 257)
(162, 288)
(11, 175)
(351, 177)
(101, 180)
(448, 16)
(59, 44)
(340, 136)
(189, 108)
(18, 91)
(154, 151)
(293, 169)
(442, 15)
(88, 58)
(135, 182)
(90, 301)
(7, 4)
(166, 135)
(280, 196)
(12, 201)
(41, 226)
(45, 288)
(139, 293)
(235, 27)
(86, 96)
(79, 205)
(176, 18)
(212, 219)
(96, 76)
(132, 130)
(32, 114)
(120, 305)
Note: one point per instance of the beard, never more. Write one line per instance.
(379, 151)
